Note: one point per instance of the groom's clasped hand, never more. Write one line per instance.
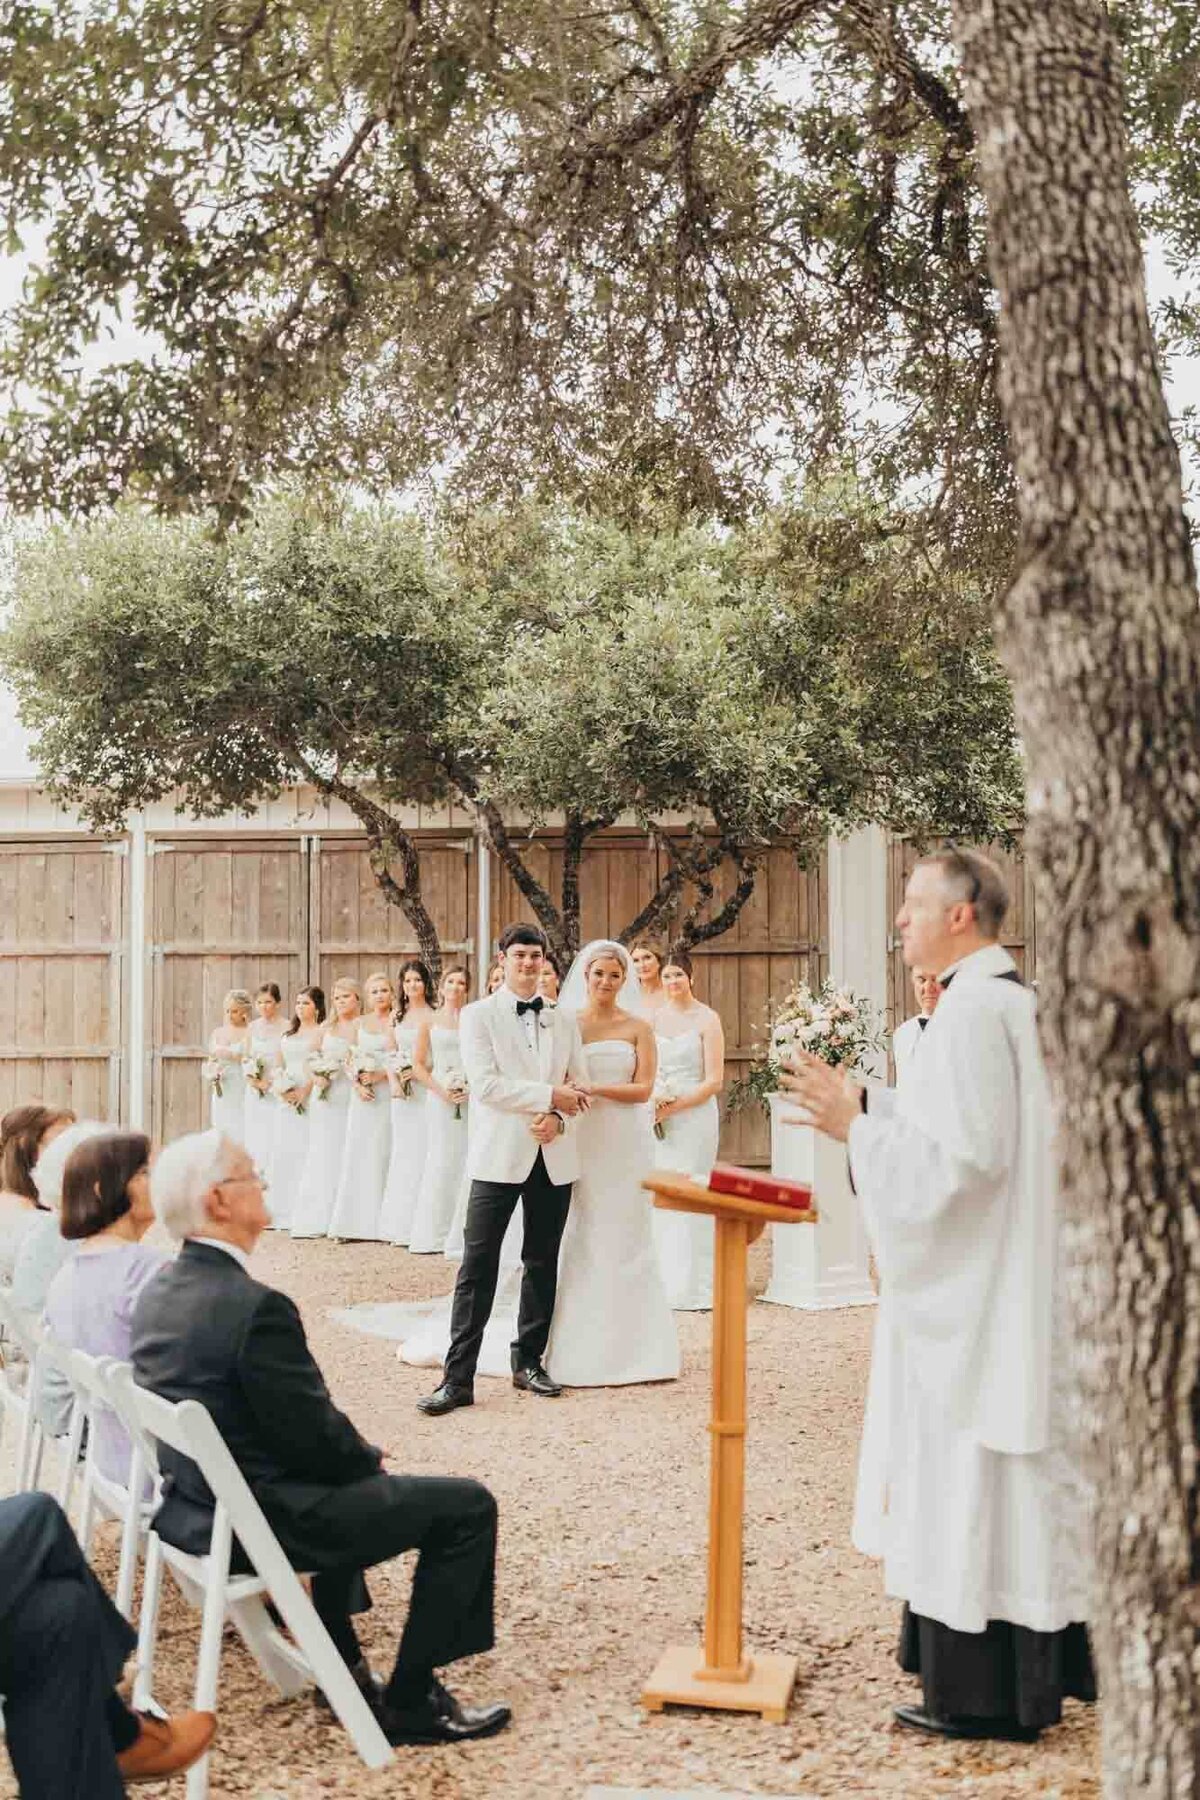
(568, 1102)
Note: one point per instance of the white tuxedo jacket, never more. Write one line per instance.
(511, 1082)
(905, 1041)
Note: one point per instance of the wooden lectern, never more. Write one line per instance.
(725, 1677)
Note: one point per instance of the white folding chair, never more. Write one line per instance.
(130, 1502)
(18, 1389)
(187, 1428)
(53, 1356)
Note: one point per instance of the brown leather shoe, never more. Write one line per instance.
(167, 1746)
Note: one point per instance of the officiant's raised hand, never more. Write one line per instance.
(831, 1100)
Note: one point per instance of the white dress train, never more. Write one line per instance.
(612, 1324)
(406, 1163)
(684, 1241)
(445, 1152)
(327, 1121)
(261, 1111)
(289, 1152)
(227, 1110)
(365, 1154)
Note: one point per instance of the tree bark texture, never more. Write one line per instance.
(1101, 633)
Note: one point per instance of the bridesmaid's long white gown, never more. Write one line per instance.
(289, 1152)
(227, 1110)
(364, 1154)
(445, 1152)
(684, 1241)
(327, 1121)
(612, 1324)
(261, 1111)
(406, 1164)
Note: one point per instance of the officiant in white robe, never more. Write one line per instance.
(907, 1036)
(968, 1491)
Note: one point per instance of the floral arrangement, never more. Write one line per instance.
(212, 1070)
(458, 1089)
(664, 1093)
(324, 1069)
(840, 1027)
(362, 1064)
(401, 1068)
(254, 1068)
(285, 1087)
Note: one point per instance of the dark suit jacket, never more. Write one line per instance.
(205, 1330)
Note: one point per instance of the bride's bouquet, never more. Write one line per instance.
(840, 1027)
(664, 1093)
(212, 1071)
(324, 1070)
(401, 1068)
(362, 1064)
(254, 1068)
(458, 1088)
(285, 1087)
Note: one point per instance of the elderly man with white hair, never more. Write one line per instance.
(205, 1329)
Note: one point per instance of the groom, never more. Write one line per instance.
(524, 1062)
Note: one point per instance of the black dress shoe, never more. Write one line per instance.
(370, 1685)
(441, 1720)
(1008, 1731)
(444, 1399)
(536, 1381)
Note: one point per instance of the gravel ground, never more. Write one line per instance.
(603, 1509)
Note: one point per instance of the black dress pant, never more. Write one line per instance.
(450, 1522)
(63, 1645)
(489, 1210)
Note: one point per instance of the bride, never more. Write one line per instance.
(612, 1324)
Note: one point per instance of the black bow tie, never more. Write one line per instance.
(922, 1022)
(533, 1006)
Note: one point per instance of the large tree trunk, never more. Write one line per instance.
(1101, 632)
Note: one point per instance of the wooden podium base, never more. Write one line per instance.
(678, 1681)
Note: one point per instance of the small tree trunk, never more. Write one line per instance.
(1101, 633)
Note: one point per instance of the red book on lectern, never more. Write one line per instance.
(749, 1184)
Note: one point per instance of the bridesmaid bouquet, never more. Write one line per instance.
(255, 1070)
(283, 1089)
(323, 1070)
(213, 1072)
(402, 1069)
(458, 1090)
(363, 1063)
(664, 1093)
(840, 1027)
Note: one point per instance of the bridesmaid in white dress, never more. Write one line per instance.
(691, 1063)
(289, 1155)
(409, 1105)
(227, 1047)
(438, 1067)
(266, 1031)
(647, 966)
(369, 1131)
(328, 1113)
(612, 1324)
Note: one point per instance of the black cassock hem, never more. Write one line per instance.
(1005, 1672)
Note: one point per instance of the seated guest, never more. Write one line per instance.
(44, 1249)
(204, 1329)
(106, 1211)
(63, 1645)
(24, 1134)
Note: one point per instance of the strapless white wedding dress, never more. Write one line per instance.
(612, 1324)
(684, 1241)
(289, 1153)
(260, 1116)
(227, 1110)
(407, 1163)
(327, 1120)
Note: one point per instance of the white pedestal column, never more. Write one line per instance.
(826, 1264)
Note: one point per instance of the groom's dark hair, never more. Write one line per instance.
(522, 934)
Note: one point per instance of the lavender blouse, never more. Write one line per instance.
(90, 1307)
